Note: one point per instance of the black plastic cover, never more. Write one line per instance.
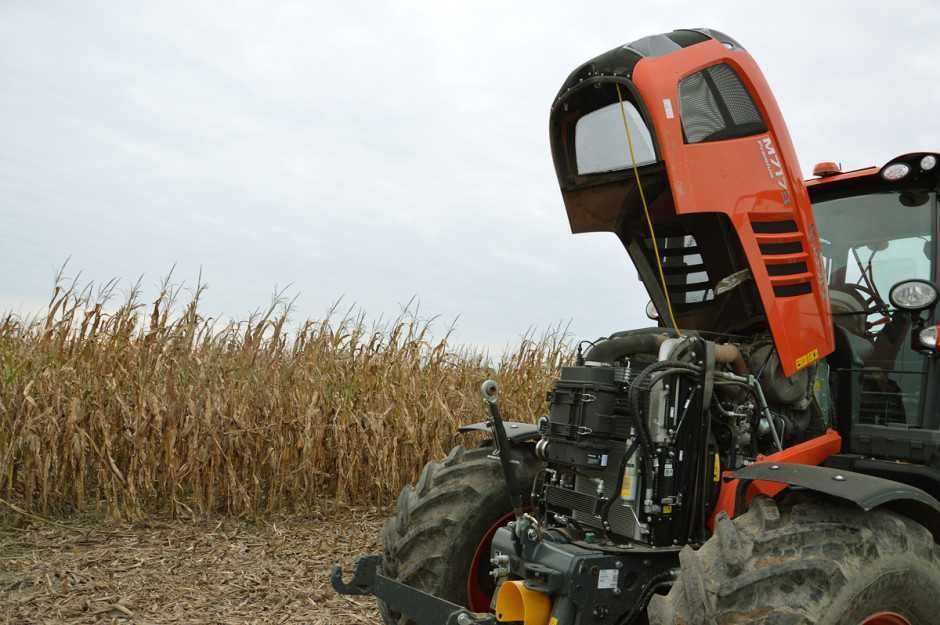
(867, 491)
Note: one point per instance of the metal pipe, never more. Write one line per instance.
(490, 393)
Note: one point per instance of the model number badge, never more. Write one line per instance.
(774, 167)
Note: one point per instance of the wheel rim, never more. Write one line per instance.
(480, 585)
(885, 618)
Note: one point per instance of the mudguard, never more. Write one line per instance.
(866, 491)
(517, 432)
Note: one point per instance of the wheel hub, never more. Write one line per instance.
(480, 585)
(885, 618)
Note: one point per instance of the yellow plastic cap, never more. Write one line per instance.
(515, 602)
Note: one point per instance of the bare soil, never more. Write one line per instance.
(176, 571)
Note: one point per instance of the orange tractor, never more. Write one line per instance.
(769, 453)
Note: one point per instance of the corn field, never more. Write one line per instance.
(131, 408)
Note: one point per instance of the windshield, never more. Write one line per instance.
(878, 239)
(871, 242)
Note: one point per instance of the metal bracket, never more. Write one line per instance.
(363, 579)
(421, 607)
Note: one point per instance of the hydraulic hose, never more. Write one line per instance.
(618, 348)
(642, 426)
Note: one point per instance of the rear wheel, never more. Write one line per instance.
(810, 561)
(439, 538)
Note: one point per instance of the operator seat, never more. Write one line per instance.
(848, 314)
(856, 349)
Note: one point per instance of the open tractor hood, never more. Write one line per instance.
(678, 134)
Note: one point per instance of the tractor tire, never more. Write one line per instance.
(810, 561)
(438, 540)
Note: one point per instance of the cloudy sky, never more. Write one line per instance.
(381, 151)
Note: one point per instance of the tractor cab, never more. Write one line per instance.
(675, 144)
(878, 233)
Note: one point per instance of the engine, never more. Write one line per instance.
(641, 428)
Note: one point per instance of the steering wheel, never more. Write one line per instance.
(871, 304)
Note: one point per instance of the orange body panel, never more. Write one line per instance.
(858, 173)
(812, 452)
(750, 179)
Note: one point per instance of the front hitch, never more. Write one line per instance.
(419, 606)
(363, 580)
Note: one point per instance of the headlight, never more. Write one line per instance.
(895, 171)
(913, 295)
(928, 162)
(928, 337)
(651, 311)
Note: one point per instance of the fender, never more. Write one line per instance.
(732, 500)
(518, 433)
(866, 491)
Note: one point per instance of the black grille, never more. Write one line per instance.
(773, 249)
(569, 499)
(792, 290)
(739, 102)
(701, 117)
(787, 269)
(715, 105)
(774, 227)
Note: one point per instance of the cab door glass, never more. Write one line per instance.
(894, 261)
(870, 243)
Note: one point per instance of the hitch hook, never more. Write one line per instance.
(363, 579)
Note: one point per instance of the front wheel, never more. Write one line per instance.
(439, 538)
(809, 561)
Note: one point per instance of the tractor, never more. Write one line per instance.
(769, 452)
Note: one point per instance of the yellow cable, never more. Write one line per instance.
(646, 212)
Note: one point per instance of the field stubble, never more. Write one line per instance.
(161, 570)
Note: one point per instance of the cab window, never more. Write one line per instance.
(601, 139)
(871, 242)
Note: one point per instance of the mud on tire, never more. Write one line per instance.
(438, 524)
(809, 561)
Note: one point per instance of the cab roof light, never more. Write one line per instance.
(827, 168)
(895, 171)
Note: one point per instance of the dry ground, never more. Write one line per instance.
(172, 571)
